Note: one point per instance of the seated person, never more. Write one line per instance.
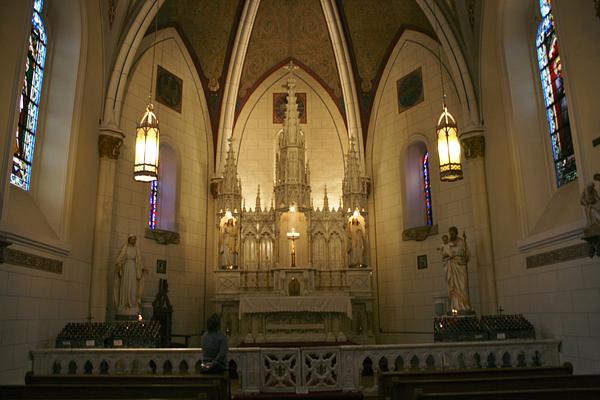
(214, 347)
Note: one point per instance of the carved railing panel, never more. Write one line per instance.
(280, 370)
(312, 369)
(321, 369)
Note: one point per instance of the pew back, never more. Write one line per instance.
(538, 394)
(202, 391)
(408, 389)
(387, 379)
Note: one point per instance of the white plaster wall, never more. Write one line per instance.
(186, 133)
(35, 305)
(255, 137)
(528, 215)
(405, 294)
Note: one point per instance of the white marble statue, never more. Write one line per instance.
(228, 239)
(129, 279)
(455, 257)
(590, 200)
(356, 227)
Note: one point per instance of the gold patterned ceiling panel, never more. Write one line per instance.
(286, 29)
(373, 25)
(207, 26)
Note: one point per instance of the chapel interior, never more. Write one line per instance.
(296, 167)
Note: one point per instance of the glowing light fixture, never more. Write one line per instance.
(147, 143)
(447, 136)
(448, 148)
(147, 140)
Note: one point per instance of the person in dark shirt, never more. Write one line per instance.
(214, 347)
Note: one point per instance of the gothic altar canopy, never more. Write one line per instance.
(292, 272)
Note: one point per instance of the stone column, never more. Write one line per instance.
(109, 145)
(473, 146)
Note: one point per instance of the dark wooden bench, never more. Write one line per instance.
(537, 394)
(387, 379)
(221, 381)
(201, 391)
(408, 389)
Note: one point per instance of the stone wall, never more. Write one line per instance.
(186, 133)
(530, 216)
(406, 294)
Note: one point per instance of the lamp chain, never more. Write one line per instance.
(153, 54)
(438, 28)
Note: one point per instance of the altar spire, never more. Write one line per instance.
(355, 185)
(292, 176)
(257, 204)
(229, 187)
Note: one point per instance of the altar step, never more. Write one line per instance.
(338, 395)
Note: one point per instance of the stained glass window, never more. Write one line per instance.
(427, 189)
(555, 99)
(29, 101)
(153, 215)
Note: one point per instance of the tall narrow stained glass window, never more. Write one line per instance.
(555, 99)
(29, 101)
(153, 214)
(427, 189)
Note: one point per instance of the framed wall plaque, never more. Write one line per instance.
(161, 266)
(410, 90)
(169, 89)
(422, 261)
(279, 101)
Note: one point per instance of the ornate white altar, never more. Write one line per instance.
(291, 272)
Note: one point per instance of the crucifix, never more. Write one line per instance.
(293, 236)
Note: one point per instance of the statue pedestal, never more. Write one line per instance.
(591, 234)
(126, 317)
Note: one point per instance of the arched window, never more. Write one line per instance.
(427, 189)
(555, 98)
(418, 207)
(153, 204)
(29, 102)
(163, 192)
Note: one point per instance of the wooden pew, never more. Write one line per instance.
(202, 391)
(407, 389)
(538, 394)
(387, 379)
(219, 380)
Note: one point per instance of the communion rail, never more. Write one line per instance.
(302, 369)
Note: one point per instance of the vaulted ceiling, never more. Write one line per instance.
(292, 29)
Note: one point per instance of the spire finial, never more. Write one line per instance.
(257, 206)
(325, 200)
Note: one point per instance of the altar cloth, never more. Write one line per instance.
(271, 304)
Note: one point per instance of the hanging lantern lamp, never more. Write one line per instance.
(145, 168)
(448, 148)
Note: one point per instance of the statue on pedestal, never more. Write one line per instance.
(129, 280)
(455, 257)
(228, 239)
(356, 227)
(590, 200)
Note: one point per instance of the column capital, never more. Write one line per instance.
(473, 146)
(109, 142)
(109, 146)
